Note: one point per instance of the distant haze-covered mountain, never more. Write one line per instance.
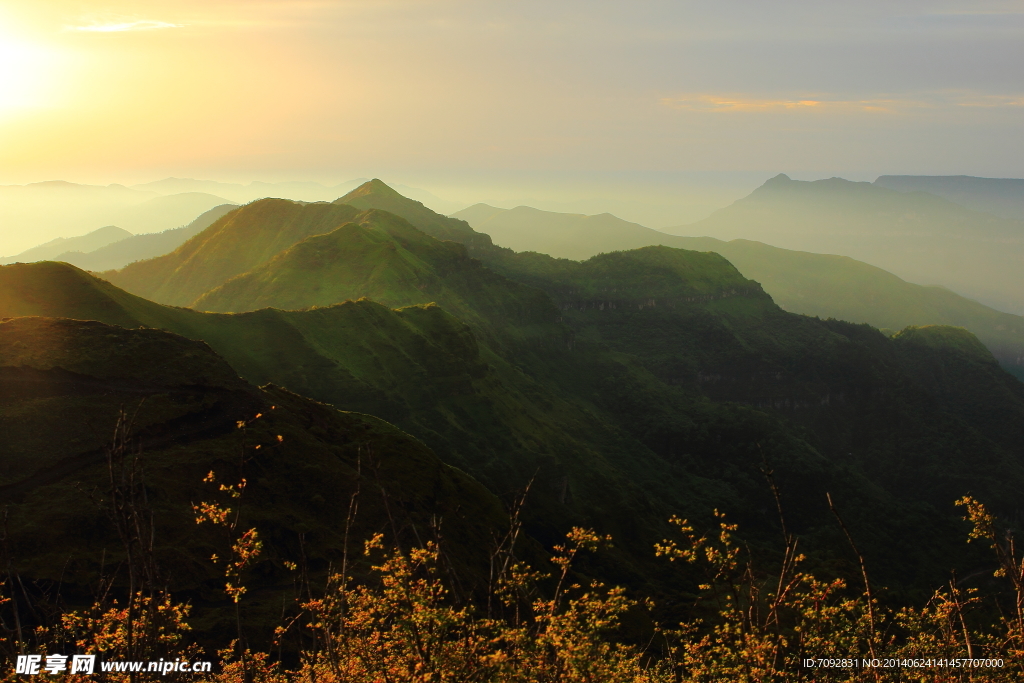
(918, 236)
(999, 196)
(138, 247)
(239, 193)
(37, 213)
(53, 249)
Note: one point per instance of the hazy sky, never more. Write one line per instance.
(242, 89)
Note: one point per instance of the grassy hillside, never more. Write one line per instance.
(383, 257)
(64, 383)
(822, 285)
(241, 240)
(919, 237)
(672, 379)
(427, 372)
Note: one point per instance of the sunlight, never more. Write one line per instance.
(26, 76)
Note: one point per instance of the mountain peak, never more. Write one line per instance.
(375, 194)
(375, 187)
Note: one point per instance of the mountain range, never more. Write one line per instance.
(999, 196)
(823, 285)
(627, 387)
(57, 248)
(36, 213)
(914, 235)
(120, 253)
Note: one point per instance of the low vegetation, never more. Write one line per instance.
(402, 621)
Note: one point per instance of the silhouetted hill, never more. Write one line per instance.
(64, 384)
(54, 248)
(998, 196)
(140, 247)
(822, 285)
(918, 236)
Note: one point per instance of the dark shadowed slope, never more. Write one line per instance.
(998, 196)
(239, 241)
(140, 247)
(918, 236)
(63, 384)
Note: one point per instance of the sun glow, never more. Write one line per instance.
(26, 75)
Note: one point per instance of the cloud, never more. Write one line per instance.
(121, 26)
(722, 103)
(882, 104)
(990, 101)
(725, 104)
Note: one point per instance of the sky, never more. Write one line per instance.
(533, 99)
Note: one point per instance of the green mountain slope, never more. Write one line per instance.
(674, 378)
(918, 236)
(241, 240)
(998, 196)
(63, 384)
(424, 370)
(383, 257)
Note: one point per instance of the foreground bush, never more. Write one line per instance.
(403, 627)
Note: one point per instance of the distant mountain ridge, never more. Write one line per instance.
(915, 235)
(138, 247)
(241, 193)
(999, 196)
(53, 249)
(802, 282)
